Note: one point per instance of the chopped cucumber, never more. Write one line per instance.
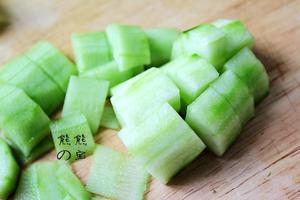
(192, 75)
(163, 143)
(110, 72)
(91, 50)
(53, 62)
(250, 70)
(116, 175)
(129, 46)
(72, 137)
(109, 119)
(22, 121)
(9, 171)
(160, 43)
(86, 96)
(212, 117)
(140, 100)
(237, 94)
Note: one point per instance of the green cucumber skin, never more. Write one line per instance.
(160, 42)
(250, 70)
(9, 171)
(121, 39)
(86, 96)
(163, 143)
(109, 119)
(22, 121)
(91, 50)
(214, 120)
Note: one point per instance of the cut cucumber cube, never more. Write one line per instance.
(22, 121)
(90, 50)
(177, 49)
(208, 42)
(72, 138)
(53, 62)
(109, 119)
(250, 70)
(212, 117)
(110, 72)
(86, 96)
(129, 46)
(116, 175)
(163, 143)
(9, 171)
(237, 94)
(192, 75)
(237, 35)
(140, 100)
(160, 43)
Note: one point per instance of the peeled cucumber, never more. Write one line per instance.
(9, 170)
(109, 119)
(212, 117)
(116, 175)
(129, 45)
(72, 137)
(160, 43)
(90, 50)
(86, 96)
(163, 143)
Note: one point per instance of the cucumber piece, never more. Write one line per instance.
(34, 82)
(53, 63)
(214, 120)
(9, 171)
(72, 134)
(192, 75)
(129, 46)
(22, 121)
(160, 43)
(237, 35)
(86, 96)
(109, 119)
(163, 143)
(250, 70)
(177, 49)
(208, 42)
(139, 101)
(110, 72)
(90, 50)
(237, 94)
(116, 175)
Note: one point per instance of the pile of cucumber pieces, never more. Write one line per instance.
(171, 94)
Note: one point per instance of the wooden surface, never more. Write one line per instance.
(264, 163)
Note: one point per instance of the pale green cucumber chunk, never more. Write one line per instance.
(250, 70)
(9, 171)
(237, 93)
(86, 96)
(53, 62)
(129, 45)
(22, 121)
(72, 134)
(13, 67)
(163, 143)
(116, 175)
(109, 119)
(212, 117)
(90, 50)
(177, 49)
(161, 42)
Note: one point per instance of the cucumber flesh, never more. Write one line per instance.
(163, 143)
(80, 142)
(129, 46)
(250, 70)
(86, 96)
(214, 120)
(116, 175)
(9, 171)
(160, 43)
(90, 50)
(109, 119)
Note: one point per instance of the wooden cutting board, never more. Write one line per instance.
(264, 163)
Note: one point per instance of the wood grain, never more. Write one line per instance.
(264, 163)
